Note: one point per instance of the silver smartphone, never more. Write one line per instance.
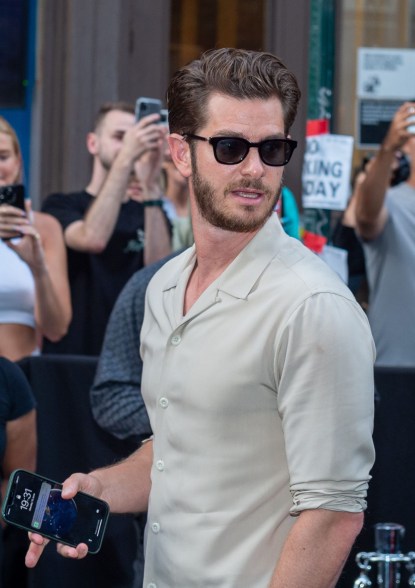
(35, 503)
(146, 106)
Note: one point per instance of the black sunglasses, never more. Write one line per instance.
(233, 150)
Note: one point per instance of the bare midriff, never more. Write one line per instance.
(16, 341)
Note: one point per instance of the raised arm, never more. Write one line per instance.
(42, 248)
(93, 232)
(371, 213)
(53, 311)
(157, 232)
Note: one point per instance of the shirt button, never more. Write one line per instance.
(175, 340)
(160, 465)
(151, 585)
(164, 403)
(155, 527)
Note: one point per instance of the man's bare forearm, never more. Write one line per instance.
(94, 231)
(371, 214)
(126, 485)
(316, 549)
(370, 194)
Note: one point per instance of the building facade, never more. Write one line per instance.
(86, 52)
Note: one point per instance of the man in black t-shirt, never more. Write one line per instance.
(113, 227)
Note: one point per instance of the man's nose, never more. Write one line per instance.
(252, 165)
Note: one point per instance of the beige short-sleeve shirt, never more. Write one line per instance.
(261, 404)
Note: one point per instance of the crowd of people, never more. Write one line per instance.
(223, 342)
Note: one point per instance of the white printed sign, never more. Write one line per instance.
(386, 74)
(326, 171)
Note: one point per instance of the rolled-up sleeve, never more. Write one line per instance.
(325, 380)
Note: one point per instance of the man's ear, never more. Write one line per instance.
(92, 143)
(180, 154)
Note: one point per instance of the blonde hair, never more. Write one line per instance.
(7, 129)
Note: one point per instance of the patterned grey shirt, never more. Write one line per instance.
(116, 401)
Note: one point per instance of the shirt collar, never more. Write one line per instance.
(241, 275)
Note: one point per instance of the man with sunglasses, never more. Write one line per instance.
(258, 363)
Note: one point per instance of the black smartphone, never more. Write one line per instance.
(146, 106)
(35, 503)
(13, 195)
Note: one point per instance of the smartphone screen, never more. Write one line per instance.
(13, 195)
(146, 106)
(35, 503)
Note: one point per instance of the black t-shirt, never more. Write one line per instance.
(16, 400)
(16, 397)
(96, 279)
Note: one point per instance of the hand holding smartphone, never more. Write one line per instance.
(35, 503)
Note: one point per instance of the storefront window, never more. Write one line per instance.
(198, 25)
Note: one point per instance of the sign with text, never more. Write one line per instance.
(385, 79)
(386, 74)
(326, 171)
(374, 118)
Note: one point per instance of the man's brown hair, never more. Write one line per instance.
(238, 73)
(109, 107)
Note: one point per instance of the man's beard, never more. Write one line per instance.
(210, 209)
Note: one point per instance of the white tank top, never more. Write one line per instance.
(17, 289)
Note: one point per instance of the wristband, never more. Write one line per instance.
(153, 203)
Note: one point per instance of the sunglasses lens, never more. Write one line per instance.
(231, 150)
(275, 152)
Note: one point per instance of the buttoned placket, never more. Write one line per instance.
(163, 404)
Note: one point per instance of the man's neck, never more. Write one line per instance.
(215, 251)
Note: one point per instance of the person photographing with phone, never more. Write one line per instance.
(385, 222)
(34, 289)
(116, 225)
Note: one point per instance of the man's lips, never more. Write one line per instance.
(248, 194)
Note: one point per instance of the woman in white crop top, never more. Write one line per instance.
(34, 290)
